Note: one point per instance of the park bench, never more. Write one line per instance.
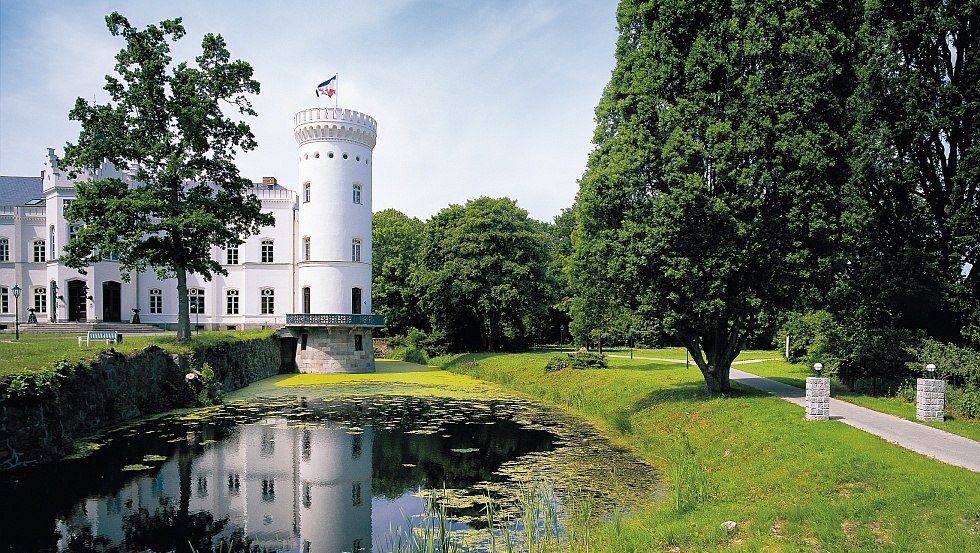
(110, 337)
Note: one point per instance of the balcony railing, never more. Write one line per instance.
(333, 319)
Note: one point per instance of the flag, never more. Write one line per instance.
(328, 87)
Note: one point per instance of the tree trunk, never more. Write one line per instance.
(183, 311)
(716, 380)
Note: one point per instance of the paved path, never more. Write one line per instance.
(931, 442)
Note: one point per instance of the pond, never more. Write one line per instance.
(308, 474)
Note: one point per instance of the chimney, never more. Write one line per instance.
(269, 180)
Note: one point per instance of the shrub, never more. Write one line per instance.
(965, 402)
(410, 354)
(557, 363)
(906, 391)
(804, 330)
(958, 365)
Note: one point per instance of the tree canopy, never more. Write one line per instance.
(165, 124)
(714, 192)
(483, 274)
(397, 241)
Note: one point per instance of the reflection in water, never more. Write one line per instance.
(299, 489)
(288, 474)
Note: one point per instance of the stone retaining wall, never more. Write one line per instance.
(40, 426)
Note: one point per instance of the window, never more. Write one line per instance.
(306, 299)
(38, 246)
(195, 300)
(307, 495)
(355, 250)
(357, 193)
(356, 446)
(231, 255)
(358, 342)
(51, 242)
(355, 493)
(156, 301)
(306, 248)
(4, 249)
(65, 204)
(267, 251)
(355, 301)
(40, 299)
(4, 300)
(306, 192)
(234, 483)
(269, 490)
(231, 302)
(268, 301)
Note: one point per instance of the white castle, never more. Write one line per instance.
(310, 273)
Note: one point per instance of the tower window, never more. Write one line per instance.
(355, 301)
(156, 301)
(267, 251)
(357, 193)
(306, 192)
(39, 253)
(306, 301)
(231, 302)
(358, 342)
(306, 248)
(268, 305)
(355, 250)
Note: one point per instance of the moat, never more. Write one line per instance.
(306, 474)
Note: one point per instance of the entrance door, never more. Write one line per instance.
(111, 292)
(76, 301)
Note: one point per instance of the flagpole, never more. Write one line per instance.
(336, 100)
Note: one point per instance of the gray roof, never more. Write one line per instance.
(19, 190)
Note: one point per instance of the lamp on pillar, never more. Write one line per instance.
(931, 369)
(817, 367)
(16, 292)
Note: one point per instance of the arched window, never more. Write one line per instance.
(355, 301)
(267, 251)
(40, 298)
(357, 193)
(306, 192)
(306, 299)
(231, 302)
(39, 252)
(306, 248)
(355, 250)
(4, 249)
(195, 300)
(156, 301)
(268, 298)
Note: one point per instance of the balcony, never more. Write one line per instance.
(333, 319)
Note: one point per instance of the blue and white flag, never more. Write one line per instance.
(328, 87)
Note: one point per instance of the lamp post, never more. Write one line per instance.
(16, 291)
(818, 367)
(561, 338)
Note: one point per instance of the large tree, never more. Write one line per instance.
(165, 124)
(483, 274)
(714, 191)
(396, 241)
(918, 166)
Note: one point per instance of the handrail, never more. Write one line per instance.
(333, 319)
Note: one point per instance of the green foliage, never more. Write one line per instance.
(188, 196)
(557, 363)
(577, 360)
(482, 275)
(396, 240)
(804, 330)
(411, 354)
(715, 187)
(964, 402)
(42, 382)
(958, 365)
(208, 390)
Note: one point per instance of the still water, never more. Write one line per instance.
(310, 475)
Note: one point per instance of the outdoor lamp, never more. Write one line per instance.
(818, 367)
(931, 368)
(16, 291)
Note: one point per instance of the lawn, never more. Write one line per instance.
(790, 485)
(34, 351)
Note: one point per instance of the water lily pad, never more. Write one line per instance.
(151, 458)
(465, 450)
(137, 466)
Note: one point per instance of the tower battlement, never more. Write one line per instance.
(335, 124)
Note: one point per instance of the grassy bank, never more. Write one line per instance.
(35, 352)
(789, 484)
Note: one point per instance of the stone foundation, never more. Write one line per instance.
(817, 399)
(930, 399)
(334, 350)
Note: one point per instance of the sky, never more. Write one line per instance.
(491, 98)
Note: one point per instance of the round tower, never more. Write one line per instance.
(333, 274)
(334, 221)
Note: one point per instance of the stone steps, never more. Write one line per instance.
(81, 328)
